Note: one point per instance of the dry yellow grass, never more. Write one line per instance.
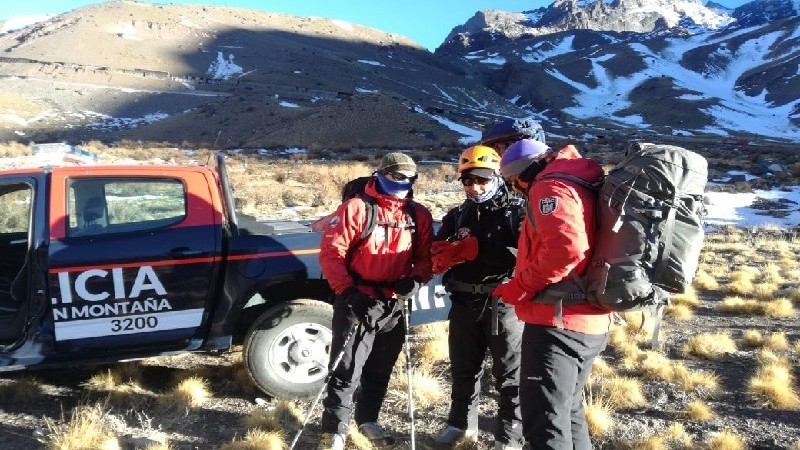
(678, 312)
(622, 392)
(778, 308)
(426, 386)
(21, 391)
(599, 417)
(159, 446)
(752, 339)
(698, 411)
(655, 366)
(653, 442)
(688, 298)
(726, 440)
(258, 440)
(738, 305)
(776, 341)
(764, 290)
(119, 382)
(283, 415)
(676, 434)
(435, 347)
(87, 429)
(740, 282)
(773, 386)
(701, 382)
(358, 441)
(705, 281)
(189, 393)
(709, 346)
(600, 368)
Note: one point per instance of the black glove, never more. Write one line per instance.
(407, 286)
(363, 306)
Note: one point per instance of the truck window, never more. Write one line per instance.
(15, 209)
(109, 206)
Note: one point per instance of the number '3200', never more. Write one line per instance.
(134, 323)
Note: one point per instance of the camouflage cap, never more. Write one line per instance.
(398, 162)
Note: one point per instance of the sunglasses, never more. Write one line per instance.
(469, 181)
(397, 176)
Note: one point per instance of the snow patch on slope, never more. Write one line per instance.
(222, 68)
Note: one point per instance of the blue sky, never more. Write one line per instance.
(425, 21)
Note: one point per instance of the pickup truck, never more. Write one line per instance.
(110, 263)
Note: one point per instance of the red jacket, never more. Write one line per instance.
(385, 256)
(561, 242)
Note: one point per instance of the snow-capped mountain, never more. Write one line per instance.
(639, 16)
(762, 11)
(702, 74)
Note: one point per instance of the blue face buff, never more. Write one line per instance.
(491, 190)
(397, 189)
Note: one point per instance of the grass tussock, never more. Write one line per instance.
(773, 386)
(283, 415)
(688, 298)
(741, 282)
(599, 414)
(435, 347)
(21, 391)
(778, 308)
(258, 440)
(699, 382)
(426, 386)
(652, 442)
(358, 441)
(622, 392)
(120, 382)
(189, 393)
(773, 341)
(739, 306)
(86, 429)
(676, 434)
(679, 313)
(726, 440)
(711, 346)
(699, 411)
(765, 290)
(705, 281)
(601, 368)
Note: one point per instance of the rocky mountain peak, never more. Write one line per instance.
(639, 16)
(762, 11)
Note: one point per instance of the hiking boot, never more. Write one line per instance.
(377, 437)
(331, 441)
(451, 436)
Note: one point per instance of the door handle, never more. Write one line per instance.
(184, 252)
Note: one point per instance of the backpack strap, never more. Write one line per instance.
(370, 222)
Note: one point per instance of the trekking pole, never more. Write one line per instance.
(495, 316)
(407, 320)
(325, 385)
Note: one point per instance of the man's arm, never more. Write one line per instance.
(342, 232)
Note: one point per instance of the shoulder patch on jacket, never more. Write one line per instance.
(548, 205)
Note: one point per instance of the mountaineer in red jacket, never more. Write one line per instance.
(563, 333)
(367, 276)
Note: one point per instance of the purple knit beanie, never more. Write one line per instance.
(520, 155)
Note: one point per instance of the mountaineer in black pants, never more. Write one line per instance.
(476, 245)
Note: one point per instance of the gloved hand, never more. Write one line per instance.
(442, 262)
(363, 306)
(509, 292)
(407, 286)
(463, 250)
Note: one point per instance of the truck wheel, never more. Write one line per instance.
(287, 348)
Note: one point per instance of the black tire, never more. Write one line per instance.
(287, 348)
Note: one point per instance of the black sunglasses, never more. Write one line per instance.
(398, 176)
(469, 181)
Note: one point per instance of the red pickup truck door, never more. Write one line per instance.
(133, 256)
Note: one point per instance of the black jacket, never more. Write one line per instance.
(496, 224)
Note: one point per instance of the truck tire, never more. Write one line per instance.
(287, 348)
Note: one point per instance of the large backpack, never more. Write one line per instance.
(649, 231)
(649, 228)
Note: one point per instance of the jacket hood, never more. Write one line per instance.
(569, 161)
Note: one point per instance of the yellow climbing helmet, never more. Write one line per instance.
(479, 157)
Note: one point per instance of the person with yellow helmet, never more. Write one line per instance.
(475, 248)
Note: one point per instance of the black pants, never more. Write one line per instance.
(555, 368)
(470, 337)
(367, 362)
